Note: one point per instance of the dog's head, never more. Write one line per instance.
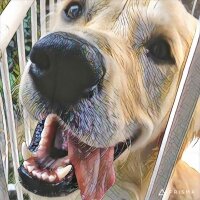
(108, 71)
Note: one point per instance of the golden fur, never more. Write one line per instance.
(138, 91)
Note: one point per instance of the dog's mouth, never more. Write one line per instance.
(57, 163)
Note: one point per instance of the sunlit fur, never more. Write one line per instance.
(137, 93)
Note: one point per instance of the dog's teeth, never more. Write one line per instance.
(52, 178)
(34, 172)
(30, 168)
(26, 153)
(45, 176)
(26, 164)
(39, 175)
(62, 172)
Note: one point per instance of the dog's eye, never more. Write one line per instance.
(73, 11)
(160, 51)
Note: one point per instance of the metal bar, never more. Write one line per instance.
(5, 163)
(179, 120)
(11, 19)
(43, 17)
(3, 184)
(34, 23)
(22, 64)
(11, 121)
(51, 9)
(21, 47)
(194, 6)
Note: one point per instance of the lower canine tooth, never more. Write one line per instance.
(62, 172)
(26, 153)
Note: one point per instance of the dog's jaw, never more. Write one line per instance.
(55, 149)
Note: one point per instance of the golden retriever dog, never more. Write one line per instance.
(101, 84)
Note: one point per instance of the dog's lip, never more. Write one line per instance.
(68, 184)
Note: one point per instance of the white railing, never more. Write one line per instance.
(9, 25)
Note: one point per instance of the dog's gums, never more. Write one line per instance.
(55, 159)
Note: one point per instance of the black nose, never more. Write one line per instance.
(65, 67)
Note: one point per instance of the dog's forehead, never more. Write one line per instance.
(126, 4)
(126, 12)
(136, 13)
(122, 5)
(129, 11)
(128, 19)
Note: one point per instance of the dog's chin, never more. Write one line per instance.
(57, 162)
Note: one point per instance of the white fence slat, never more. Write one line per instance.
(194, 6)
(22, 64)
(5, 162)
(11, 121)
(43, 17)
(51, 11)
(3, 185)
(21, 47)
(34, 23)
(11, 19)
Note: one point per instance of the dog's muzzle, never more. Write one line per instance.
(65, 68)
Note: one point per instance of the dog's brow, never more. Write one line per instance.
(94, 7)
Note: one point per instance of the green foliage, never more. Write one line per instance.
(3, 4)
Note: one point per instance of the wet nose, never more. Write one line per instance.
(65, 68)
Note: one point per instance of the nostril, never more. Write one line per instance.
(40, 58)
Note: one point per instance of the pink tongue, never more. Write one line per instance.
(93, 167)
